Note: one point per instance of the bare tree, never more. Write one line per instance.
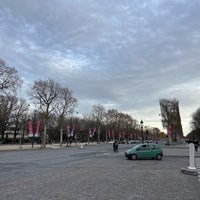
(171, 117)
(9, 78)
(195, 123)
(120, 121)
(98, 115)
(45, 93)
(111, 116)
(7, 104)
(64, 104)
(19, 112)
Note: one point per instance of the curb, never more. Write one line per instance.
(194, 172)
(38, 147)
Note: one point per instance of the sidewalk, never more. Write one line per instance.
(5, 147)
(10, 147)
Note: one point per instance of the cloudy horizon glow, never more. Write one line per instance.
(122, 54)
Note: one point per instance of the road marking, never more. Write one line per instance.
(106, 153)
(102, 154)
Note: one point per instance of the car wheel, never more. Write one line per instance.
(129, 158)
(159, 157)
(133, 157)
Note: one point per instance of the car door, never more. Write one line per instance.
(144, 151)
(155, 150)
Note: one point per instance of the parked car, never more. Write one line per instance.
(122, 142)
(145, 150)
(135, 141)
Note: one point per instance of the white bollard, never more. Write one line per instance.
(191, 154)
(81, 145)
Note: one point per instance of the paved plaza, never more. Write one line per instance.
(94, 172)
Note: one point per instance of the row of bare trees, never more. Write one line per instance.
(51, 99)
(12, 109)
(55, 105)
(121, 126)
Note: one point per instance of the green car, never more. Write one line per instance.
(145, 150)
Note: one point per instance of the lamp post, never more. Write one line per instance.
(141, 127)
(146, 133)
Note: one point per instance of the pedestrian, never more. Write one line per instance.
(196, 145)
(115, 146)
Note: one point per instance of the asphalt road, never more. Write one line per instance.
(94, 173)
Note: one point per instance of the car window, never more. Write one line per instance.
(153, 147)
(156, 147)
(142, 147)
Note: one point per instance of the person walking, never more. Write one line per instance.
(196, 145)
(115, 146)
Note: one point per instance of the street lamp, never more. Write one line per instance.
(141, 126)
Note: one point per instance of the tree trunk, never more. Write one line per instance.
(61, 136)
(44, 138)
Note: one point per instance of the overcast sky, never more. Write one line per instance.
(122, 54)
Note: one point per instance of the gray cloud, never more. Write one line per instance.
(122, 54)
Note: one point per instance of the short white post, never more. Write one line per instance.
(191, 154)
(81, 145)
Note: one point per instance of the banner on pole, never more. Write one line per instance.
(37, 128)
(30, 126)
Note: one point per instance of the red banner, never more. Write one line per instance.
(30, 126)
(113, 133)
(108, 133)
(90, 132)
(68, 130)
(169, 130)
(74, 126)
(37, 128)
(123, 134)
